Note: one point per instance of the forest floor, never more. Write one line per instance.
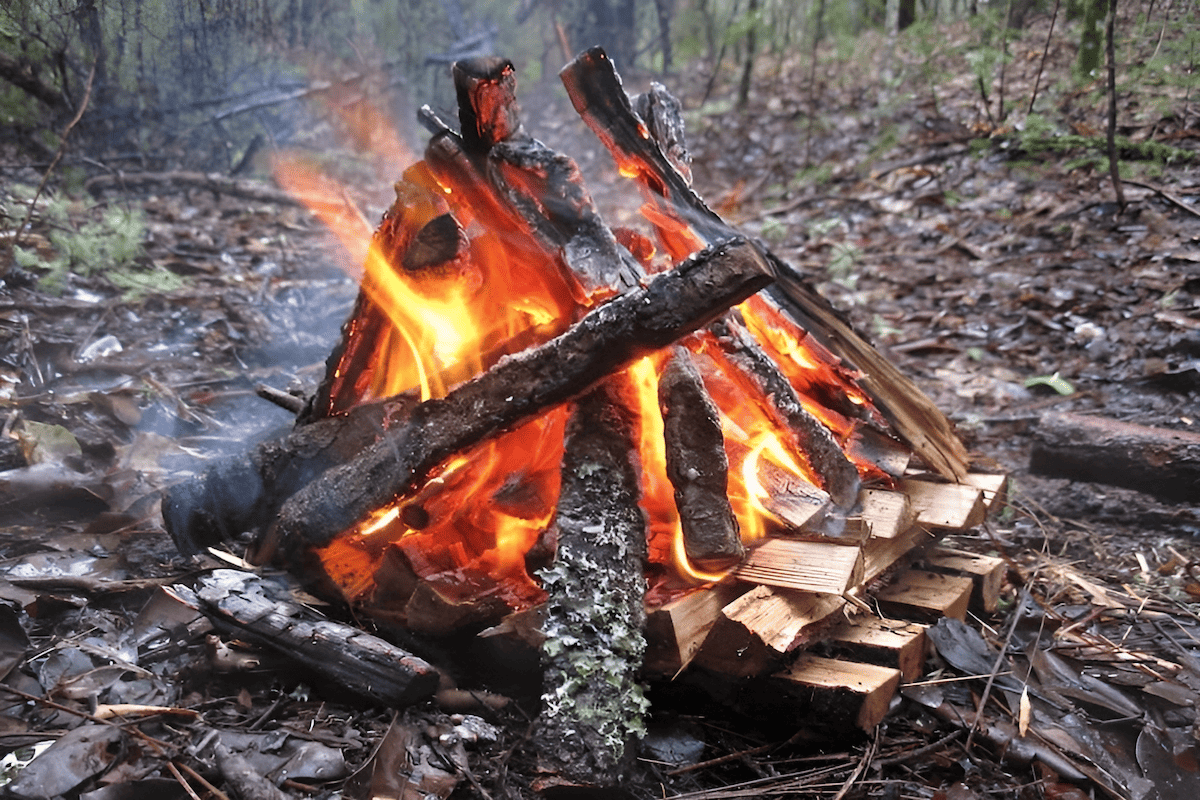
(984, 260)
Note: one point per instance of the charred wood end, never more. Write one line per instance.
(698, 466)
(487, 101)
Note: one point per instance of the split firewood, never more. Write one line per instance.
(1160, 461)
(611, 336)
(597, 94)
(698, 466)
(592, 705)
(261, 611)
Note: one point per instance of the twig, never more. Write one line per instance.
(1164, 194)
(62, 147)
(753, 751)
(187, 787)
(987, 690)
(1045, 52)
(158, 745)
(198, 777)
(920, 751)
(1003, 62)
(863, 763)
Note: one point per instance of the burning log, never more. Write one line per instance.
(597, 94)
(243, 493)
(698, 466)
(515, 389)
(815, 440)
(592, 705)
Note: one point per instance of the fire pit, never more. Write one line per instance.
(653, 447)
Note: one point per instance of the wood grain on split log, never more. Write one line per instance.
(754, 632)
(926, 596)
(1160, 461)
(814, 439)
(887, 514)
(260, 611)
(987, 573)
(807, 566)
(676, 630)
(592, 705)
(887, 643)
(597, 94)
(697, 465)
(515, 389)
(944, 506)
(840, 693)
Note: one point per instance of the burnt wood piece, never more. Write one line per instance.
(1160, 461)
(243, 493)
(663, 114)
(486, 89)
(262, 611)
(545, 188)
(697, 465)
(597, 94)
(515, 389)
(592, 705)
(814, 439)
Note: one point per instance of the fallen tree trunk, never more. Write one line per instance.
(1159, 461)
(515, 389)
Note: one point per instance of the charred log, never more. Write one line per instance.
(261, 611)
(815, 440)
(515, 389)
(698, 466)
(243, 493)
(597, 94)
(592, 704)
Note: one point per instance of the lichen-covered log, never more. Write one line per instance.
(518, 387)
(697, 465)
(814, 439)
(592, 705)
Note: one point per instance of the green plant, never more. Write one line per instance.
(106, 243)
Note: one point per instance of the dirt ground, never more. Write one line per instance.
(1001, 275)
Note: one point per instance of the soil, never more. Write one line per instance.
(1003, 276)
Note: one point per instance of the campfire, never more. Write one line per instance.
(650, 445)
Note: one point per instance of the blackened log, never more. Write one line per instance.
(487, 101)
(261, 611)
(663, 114)
(242, 493)
(597, 94)
(545, 188)
(592, 705)
(1160, 461)
(697, 465)
(515, 389)
(814, 439)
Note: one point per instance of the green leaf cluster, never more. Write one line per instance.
(107, 243)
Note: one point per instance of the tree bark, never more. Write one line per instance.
(1159, 461)
(592, 704)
